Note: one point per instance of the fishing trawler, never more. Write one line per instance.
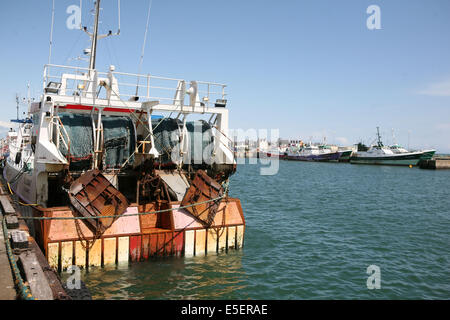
(123, 152)
(389, 155)
(311, 152)
(277, 153)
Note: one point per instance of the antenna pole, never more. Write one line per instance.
(143, 46)
(409, 133)
(17, 105)
(118, 14)
(51, 32)
(28, 96)
(94, 37)
(380, 144)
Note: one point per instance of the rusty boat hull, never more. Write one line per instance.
(134, 237)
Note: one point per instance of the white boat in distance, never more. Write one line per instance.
(394, 155)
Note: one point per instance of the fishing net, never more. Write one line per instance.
(79, 130)
(119, 140)
(201, 141)
(166, 134)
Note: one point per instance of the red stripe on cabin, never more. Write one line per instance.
(118, 110)
(77, 107)
(107, 109)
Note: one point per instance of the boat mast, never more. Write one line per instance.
(94, 37)
(17, 105)
(380, 144)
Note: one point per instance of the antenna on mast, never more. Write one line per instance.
(17, 105)
(95, 36)
(143, 47)
(380, 144)
(51, 32)
(409, 134)
(394, 141)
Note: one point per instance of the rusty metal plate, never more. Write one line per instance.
(203, 188)
(93, 195)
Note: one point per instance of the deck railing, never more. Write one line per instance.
(74, 81)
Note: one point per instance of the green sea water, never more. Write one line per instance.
(312, 231)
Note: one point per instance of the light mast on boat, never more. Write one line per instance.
(380, 144)
(95, 36)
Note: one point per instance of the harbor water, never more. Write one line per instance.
(312, 230)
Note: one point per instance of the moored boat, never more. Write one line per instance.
(379, 154)
(279, 153)
(314, 153)
(115, 172)
(345, 155)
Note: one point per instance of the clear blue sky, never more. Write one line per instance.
(309, 68)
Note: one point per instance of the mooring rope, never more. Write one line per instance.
(19, 202)
(23, 288)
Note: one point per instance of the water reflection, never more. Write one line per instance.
(205, 277)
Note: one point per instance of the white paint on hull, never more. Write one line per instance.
(23, 187)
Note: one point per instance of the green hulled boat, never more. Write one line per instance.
(390, 155)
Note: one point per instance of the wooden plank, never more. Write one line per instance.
(95, 253)
(37, 281)
(6, 205)
(189, 243)
(53, 255)
(66, 254)
(109, 251)
(200, 242)
(123, 250)
(80, 255)
(239, 236)
(211, 246)
(222, 241)
(231, 242)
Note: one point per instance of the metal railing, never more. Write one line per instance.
(75, 81)
(61, 133)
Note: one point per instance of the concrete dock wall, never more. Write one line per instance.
(7, 288)
(435, 163)
(24, 262)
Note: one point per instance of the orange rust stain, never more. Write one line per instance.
(64, 230)
(135, 248)
(178, 241)
(145, 246)
(161, 244)
(153, 244)
(169, 243)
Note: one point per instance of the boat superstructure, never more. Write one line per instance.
(47, 142)
(133, 140)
